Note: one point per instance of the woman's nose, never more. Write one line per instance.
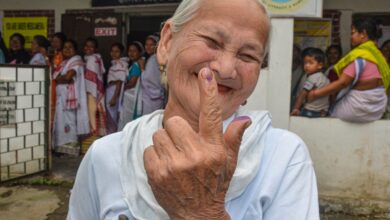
(225, 65)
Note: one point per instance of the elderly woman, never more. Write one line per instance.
(203, 157)
(364, 77)
(71, 116)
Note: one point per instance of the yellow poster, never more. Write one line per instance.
(313, 33)
(27, 26)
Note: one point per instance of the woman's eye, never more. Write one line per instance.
(248, 58)
(212, 43)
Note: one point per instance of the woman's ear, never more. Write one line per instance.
(165, 43)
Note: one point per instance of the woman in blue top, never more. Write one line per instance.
(132, 101)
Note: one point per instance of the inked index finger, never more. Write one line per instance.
(210, 118)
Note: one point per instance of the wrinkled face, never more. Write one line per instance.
(333, 56)
(89, 48)
(34, 46)
(311, 65)
(15, 44)
(386, 51)
(68, 51)
(56, 43)
(115, 53)
(133, 53)
(229, 37)
(150, 46)
(357, 38)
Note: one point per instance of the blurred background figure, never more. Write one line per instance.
(297, 73)
(150, 46)
(132, 100)
(116, 79)
(333, 55)
(71, 118)
(39, 48)
(3, 51)
(17, 53)
(94, 82)
(57, 43)
(386, 53)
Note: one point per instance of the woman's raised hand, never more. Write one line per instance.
(190, 172)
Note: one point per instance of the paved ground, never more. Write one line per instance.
(46, 196)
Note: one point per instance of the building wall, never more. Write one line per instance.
(57, 5)
(348, 8)
(358, 5)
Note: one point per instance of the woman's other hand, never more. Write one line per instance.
(190, 172)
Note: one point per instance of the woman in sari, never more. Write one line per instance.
(94, 72)
(364, 78)
(71, 117)
(116, 79)
(132, 99)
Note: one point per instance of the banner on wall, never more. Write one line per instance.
(313, 33)
(27, 26)
(294, 8)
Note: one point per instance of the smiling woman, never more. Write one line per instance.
(203, 157)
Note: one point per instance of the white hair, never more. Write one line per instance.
(187, 10)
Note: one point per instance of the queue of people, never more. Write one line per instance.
(353, 88)
(88, 101)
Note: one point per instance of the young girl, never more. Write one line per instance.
(132, 101)
(94, 71)
(116, 78)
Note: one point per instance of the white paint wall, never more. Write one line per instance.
(58, 5)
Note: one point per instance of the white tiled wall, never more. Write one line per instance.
(23, 145)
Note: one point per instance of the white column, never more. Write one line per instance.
(279, 76)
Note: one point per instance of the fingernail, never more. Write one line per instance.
(206, 74)
(242, 118)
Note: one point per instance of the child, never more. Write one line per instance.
(116, 78)
(313, 63)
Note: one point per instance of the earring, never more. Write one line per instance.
(244, 103)
(164, 77)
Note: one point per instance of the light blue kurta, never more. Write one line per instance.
(284, 186)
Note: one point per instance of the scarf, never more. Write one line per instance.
(137, 136)
(370, 52)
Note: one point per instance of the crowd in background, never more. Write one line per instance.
(353, 87)
(88, 100)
